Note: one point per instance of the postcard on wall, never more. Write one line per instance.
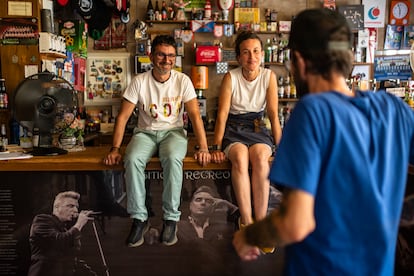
(107, 77)
(354, 14)
(408, 37)
(393, 37)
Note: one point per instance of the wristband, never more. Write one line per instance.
(113, 148)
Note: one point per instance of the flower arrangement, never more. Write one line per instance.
(71, 126)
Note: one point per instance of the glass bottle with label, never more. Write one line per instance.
(150, 11)
(268, 51)
(202, 102)
(3, 138)
(4, 99)
(164, 12)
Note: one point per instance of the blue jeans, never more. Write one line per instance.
(172, 148)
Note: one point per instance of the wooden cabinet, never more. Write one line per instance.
(14, 57)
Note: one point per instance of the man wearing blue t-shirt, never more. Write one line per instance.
(342, 159)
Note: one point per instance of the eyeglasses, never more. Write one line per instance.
(163, 55)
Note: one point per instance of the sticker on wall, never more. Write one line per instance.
(218, 30)
(228, 29)
(222, 67)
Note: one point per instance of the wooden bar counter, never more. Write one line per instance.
(91, 160)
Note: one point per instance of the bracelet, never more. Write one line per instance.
(215, 147)
(262, 234)
(112, 148)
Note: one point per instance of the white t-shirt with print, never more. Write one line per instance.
(160, 105)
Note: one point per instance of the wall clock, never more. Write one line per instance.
(399, 12)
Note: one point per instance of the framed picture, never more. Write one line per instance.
(107, 76)
(362, 75)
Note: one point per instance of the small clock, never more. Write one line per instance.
(399, 12)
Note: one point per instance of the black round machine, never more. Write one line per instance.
(41, 101)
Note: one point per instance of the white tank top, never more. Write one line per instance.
(248, 96)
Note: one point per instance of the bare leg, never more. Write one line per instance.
(239, 157)
(259, 158)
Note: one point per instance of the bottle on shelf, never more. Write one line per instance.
(157, 11)
(4, 99)
(150, 11)
(275, 49)
(286, 85)
(35, 137)
(164, 12)
(14, 132)
(293, 94)
(3, 138)
(207, 10)
(280, 87)
(202, 102)
(268, 51)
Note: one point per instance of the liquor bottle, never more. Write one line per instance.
(14, 132)
(202, 103)
(164, 12)
(292, 89)
(275, 49)
(4, 99)
(150, 11)
(157, 11)
(268, 51)
(280, 88)
(3, 138)
(287, 87)
(35, 137)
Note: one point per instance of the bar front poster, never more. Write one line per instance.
(202, 249)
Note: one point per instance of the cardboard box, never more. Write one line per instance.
(76, 36)
(208, 54)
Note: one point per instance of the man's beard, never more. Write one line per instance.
(302, 88)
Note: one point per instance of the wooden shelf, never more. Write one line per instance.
(152, 22)
(288, 100)
(51, 56)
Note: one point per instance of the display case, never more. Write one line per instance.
(107, 76)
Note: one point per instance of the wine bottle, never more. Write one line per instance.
(150, 11)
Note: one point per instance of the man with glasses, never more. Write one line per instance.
(160, 95)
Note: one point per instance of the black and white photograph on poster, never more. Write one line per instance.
(86, 212)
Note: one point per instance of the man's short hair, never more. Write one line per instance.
(323, 38)
(163, 39)
(67, 194)
(205, 189)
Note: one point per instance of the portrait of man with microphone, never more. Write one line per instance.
(55, 238)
